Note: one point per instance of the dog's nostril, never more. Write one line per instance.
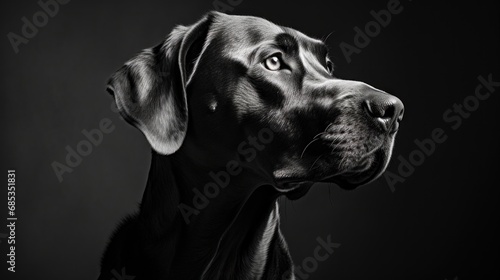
(389, 112)
(384, 109)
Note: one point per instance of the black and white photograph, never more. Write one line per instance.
(250, 140)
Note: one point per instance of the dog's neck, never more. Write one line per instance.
(230, 236)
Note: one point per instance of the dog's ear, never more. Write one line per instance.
(150, 89)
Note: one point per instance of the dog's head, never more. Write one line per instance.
(238, 87)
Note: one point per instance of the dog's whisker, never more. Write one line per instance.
(343, 163)
(319, 134)
(301, 155)
(315, 162)
(325, 40)
(335, 148)
(324, 132)
(370, 153)
(333, 175)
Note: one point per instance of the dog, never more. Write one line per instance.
(238, 112)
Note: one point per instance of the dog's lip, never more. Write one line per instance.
(297, 190)
(352, 179)
(346, 180)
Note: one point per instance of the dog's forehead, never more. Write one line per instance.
(240, 33)
(248, 29)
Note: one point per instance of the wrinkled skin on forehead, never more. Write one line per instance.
(320, 132)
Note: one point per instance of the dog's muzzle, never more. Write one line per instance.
(357, 144)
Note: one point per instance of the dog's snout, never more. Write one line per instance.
(384, 109)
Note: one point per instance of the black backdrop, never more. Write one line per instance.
(437, 222)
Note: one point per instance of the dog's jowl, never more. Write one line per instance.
(260, 104)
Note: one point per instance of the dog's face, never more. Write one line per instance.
(250, 84)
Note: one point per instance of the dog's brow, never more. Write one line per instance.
(319, 49)
(287, 43)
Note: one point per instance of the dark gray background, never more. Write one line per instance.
(440, 223)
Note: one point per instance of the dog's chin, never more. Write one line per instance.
(365, 172)
(297, 188)
(351, 180)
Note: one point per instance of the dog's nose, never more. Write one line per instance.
(385, 110)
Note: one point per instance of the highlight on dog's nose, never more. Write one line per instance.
(385, 109)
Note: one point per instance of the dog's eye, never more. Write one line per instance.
(273, 63)
(329, 66)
